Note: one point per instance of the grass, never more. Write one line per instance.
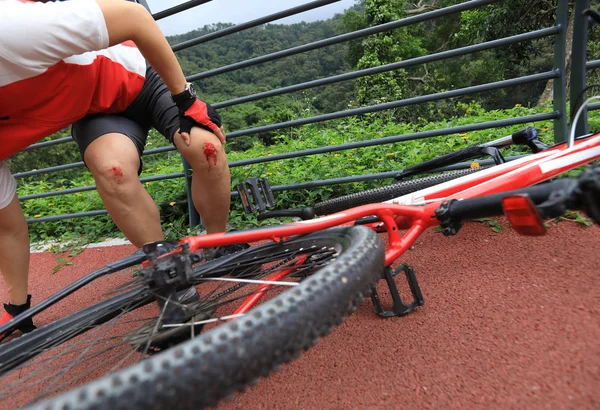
(345, 163)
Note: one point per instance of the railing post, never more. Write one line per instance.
(578, 61)
(560, 83)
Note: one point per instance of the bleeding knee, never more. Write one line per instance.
(208, 157)
(115, 178)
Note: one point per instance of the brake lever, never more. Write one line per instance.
(302, 213)
(592, 13)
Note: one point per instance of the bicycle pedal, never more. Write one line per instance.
(399, 308)
(256, 195)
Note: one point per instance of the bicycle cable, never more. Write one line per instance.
(571, 139)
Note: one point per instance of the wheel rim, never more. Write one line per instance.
(114, 345)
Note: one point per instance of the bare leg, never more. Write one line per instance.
(114, 162)
(211, 182)
(14, 251)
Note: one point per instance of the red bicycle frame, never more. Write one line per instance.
(415, 212)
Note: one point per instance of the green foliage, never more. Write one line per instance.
(492, 223)
(282, 172)
(575, 216)
(499, 19)
(281, 72)
(382, 48)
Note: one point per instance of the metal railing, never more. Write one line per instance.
(558, 32)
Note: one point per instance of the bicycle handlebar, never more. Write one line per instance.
(551, 199)
(526, 136)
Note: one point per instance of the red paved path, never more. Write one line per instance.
(508, 322)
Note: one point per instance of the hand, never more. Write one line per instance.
(196, 112)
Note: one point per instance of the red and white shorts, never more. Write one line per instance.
(8, 186)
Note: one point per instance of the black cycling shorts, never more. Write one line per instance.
(152, 108)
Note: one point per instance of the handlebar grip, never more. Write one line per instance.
(491, 205)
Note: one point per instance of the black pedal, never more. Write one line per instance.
(399, 308)
(256, 195)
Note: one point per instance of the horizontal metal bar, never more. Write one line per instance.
(92, 187)
(343, 38)
(48, 143)
(400, 138)
(49, 169)
(593, 106)
(400, 103)
(84, 214)
(57, 193)
(81, 164)
(341, 147)
(159, 150)
(336, 148)
(390, 105)
(371, 177)
(254, 23)
(590, 65)
(179, 8)
(394, 66)
(66, 216)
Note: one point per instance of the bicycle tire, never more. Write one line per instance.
(385, 193)
(210, 367)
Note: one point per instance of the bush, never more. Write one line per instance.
(357, 161)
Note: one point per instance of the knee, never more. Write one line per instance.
(205, 152)
(12, 221)
(115, 178)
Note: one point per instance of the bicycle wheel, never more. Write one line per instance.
(336, 270)
(385, 193)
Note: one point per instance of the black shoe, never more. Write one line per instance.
(240, 268)
(220, 251)
(11, 311)
(162, 247)
(189, 295)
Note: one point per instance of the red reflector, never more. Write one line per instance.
(523, 216)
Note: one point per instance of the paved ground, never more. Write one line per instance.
(509, 322)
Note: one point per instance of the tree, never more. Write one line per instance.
(382, 48)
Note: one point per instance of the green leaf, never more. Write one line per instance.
(482, 219)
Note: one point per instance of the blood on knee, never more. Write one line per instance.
(210, 152)
(116, 174)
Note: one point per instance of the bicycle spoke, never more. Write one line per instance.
(265, 282)
(91, 348)
(203, 322)
(162, 313)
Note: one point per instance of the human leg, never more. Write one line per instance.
(14, 251)
(14, 240)
(211, 181)
(114, 162)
